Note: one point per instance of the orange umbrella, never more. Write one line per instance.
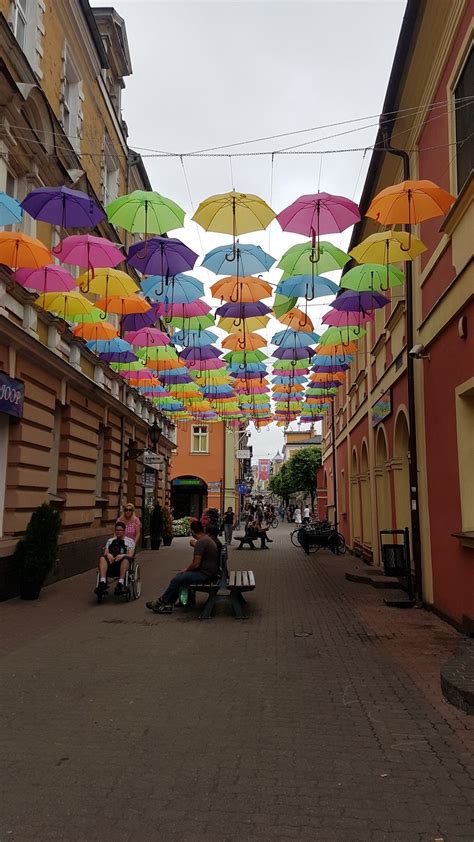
(245, 289)
(338, 349)
(289, 389)
(327, 377)
(410, 202)
(240, 342)
(19, 251)
(94, 331)
(297, 320)
(123, 304)
(164, 364)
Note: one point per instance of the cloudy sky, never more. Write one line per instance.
(216, 74)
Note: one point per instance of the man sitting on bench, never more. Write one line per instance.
(203, 568)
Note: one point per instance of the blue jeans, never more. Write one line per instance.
(192, 577)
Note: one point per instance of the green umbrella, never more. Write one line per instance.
(193, 323)
(145, 212)
(298, 259)
(313, 390)
(244, 356)
(341, 335)
(282, 304)
(373, 277)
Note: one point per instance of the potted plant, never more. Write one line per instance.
(167, 528)
(36, 552)
(156, 527)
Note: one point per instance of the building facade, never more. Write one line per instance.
(73, 438)
(298, 439)
(433, 69)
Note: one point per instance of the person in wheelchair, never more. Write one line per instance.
(115, 560)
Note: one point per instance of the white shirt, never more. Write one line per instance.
(297, 516)
(306, 512)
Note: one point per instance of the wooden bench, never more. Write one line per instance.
(245, 539)
(230, 587)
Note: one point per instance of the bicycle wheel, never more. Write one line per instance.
(341, 544)
(274, 523)
(294, 538)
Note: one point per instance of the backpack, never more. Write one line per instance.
(117, 547)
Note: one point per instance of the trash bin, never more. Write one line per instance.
(394, 560)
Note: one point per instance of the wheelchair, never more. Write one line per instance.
(132, 586)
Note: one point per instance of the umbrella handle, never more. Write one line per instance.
(160, 291)
(237, 322)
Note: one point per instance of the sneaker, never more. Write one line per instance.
(101, 588)
(119, 588)
(160, 608)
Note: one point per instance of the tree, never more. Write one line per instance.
(283, 483)
(303, 465)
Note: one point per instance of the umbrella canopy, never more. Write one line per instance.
(248, 260)
(409, 203)
(180, 289)
(298, 320)
(123, 304)
(248, 324)
(64, 207)
(68, 305)
(388, 247)
(243, 311)
(282, 304)
(88, 252)
(11, 211)
(192, 323)
(293, 353)
(337, 348)
(244, 356)
(234, 213)
(248, 341)
(363, 301)
(146, 336)
(134, 321)
(95, 331)
(108, 282)
(113, 350)
(300, 259)
(307, 287)
(183, 311)
(164, 256)
(47, 279)
(341, 334)
(245, 289)
(18, 251)
(372, 277)
(292, 339)
(194, 338)
(345, 318)
(328, 360)
(145, 212)
(204, 353)
(319, 213)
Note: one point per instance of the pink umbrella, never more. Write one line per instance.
(205, 365)
(138, 373)
(47, 279)
(147, 336)
(89, 252)
(345, 318)
(319, 213)
(184, 310)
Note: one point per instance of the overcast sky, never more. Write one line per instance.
(207, 74)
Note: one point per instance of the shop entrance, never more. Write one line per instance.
(188, 497)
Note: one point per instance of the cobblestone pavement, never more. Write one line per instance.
(320, 717)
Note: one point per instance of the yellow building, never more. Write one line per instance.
(62, 70)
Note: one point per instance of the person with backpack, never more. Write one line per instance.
(115, 559)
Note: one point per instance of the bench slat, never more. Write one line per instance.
(232, 579)
(251, 579)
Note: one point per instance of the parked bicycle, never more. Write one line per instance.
(312, 537)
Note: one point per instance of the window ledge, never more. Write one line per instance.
(101, 501)
(56, 499)
(379, 344)
(466, 539)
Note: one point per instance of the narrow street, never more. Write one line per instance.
(320, 717)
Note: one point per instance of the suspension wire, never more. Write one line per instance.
(232, 186)
(271, 202)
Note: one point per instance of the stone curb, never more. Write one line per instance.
(457, 678)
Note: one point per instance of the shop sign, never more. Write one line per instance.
(149, 480)
(152, 459)
(382, 408)
(187, 482)
(213, 487)
(12, 395)
(243, 454)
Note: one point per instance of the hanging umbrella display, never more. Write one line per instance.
(113, 350)
(299, 259)
(180, 289)
(64, 207)
(305, 286)
(292, 339)
(18, 251)
(94, 331)
(241, 289)
(346, 318)
(192, 322)
(47, 279)
(388, 247)
(147, 336)
(249, 324)
(250, 341)
(89, 252)
(364, 301)
(240, 311)
(341, 334)
(336, 348)
(165, 256)
(123, 304)
(183, 311)
(71, 306)
(373, 277)
(234, 213)
(282, 304)
(248, 260)
(145, 212)
(297, 320)
(194, 338)
(135, 321)
(108, 282)
(11, 211)
(319, 213)
(409, 203)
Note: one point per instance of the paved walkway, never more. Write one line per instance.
(319, 718)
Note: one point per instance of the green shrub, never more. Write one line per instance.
(36, 553)
(180, 528)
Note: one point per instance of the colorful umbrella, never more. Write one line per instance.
(388, 247)
(18, 251)
(245, 289)
(146, 336)
(180, 289)
(346, 318)
(249, 324)
(234, 213)
(123, 304)
(113, 350)
(300, 260)
(372, 277)
(108, 282)
(306, 286)
(249, 341)
(47, 279)
(183, 311)
(134, 321)
(164, 256)
(319, 213)
(282, 304)
(248, 260)
(363, 301)
(95, 331)
(89, 252)
(409, 203)
(145, 212)
(194, 338)
(64, 207)
(243, 311)
(341, 334)
(297, 319)
(71, 306)
(11, 211)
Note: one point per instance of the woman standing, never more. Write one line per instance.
(229, 518)
(133, 526)
(297, 516)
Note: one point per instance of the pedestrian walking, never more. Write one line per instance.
(133, 526)
(297, 516)
(306, 514)
(229, 520)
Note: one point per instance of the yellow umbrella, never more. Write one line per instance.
(251, 324)
(388, 247)
(234, 213)
(108, 282)
(68, 305)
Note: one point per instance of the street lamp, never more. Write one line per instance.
(154, 436)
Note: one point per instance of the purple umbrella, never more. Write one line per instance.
(248, 375)
(64, 207)
(243, 310)
(118, 356)
(293, 353)
(135, 321)
(364, 302)
(346, 318)
(164, 256)
(175, 381)
(207, 352)
(330, 369)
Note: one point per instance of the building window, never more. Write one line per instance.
(54, 453)
(199, 439)
(71, 100)
(110, 173)
(464, 122)
(11, 189)
(20, 21)
(465, 426)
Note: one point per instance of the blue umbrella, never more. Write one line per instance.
(113, 350)
(10, 210)
(182, 289)
(172, 372)
(330, 359)
(251, 367)
(194, 338)
(304, 285)
(293, 339)
(283, 381)
(248, 260)
(218, 390)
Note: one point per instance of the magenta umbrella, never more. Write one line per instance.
(346, 318)
(147, 336)
(183, 310)
(319, 213)
(205, 365)
(89, 252)
(47, 279)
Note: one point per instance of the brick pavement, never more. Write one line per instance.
(319, 718)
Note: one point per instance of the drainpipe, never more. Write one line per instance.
(334, 475)
(122, 463)
(412, 444)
